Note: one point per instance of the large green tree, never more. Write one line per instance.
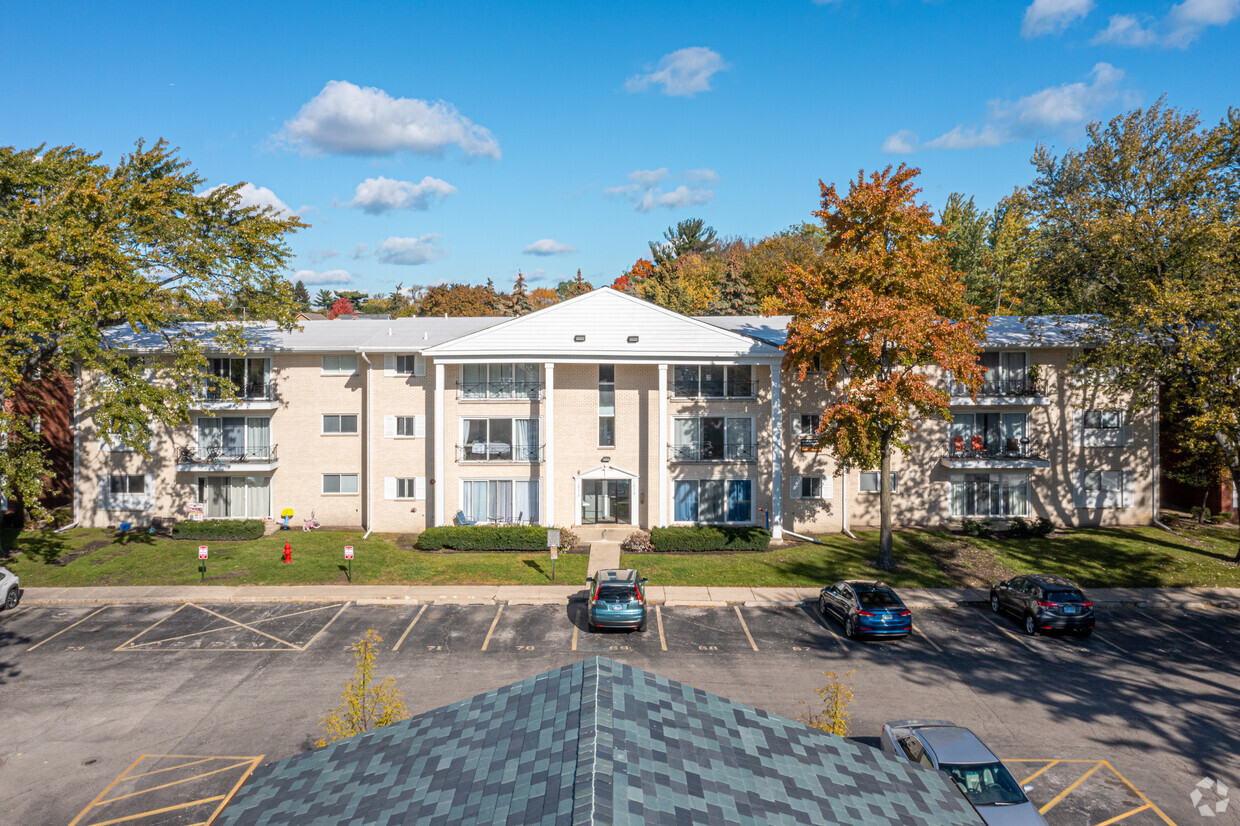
(879, 310)
(85, 246)
(1142, 226)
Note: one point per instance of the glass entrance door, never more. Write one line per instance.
(604, 501)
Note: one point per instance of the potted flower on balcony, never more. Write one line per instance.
(1034, 375)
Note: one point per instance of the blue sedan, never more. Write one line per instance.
(866, 608)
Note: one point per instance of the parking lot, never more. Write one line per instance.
(1120, 727)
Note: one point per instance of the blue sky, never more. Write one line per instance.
(445, 142)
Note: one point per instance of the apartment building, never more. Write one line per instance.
(606, 410)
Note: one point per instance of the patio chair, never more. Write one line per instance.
(463, 521)
(978, 445)
(957, 445)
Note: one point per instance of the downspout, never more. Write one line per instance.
(1157, 447)
(76, 486)
(844, 503)
(370, 369)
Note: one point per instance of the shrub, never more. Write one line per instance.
(1195, 510)
(231, 530)
(1169, 519)
(637, 542)
(1220, 518)
(485, 538)
(1042, 526)
(978, 528)
(568, 539)
(710, 538)
(1019, 528)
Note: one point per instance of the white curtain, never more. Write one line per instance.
(525, 440)
(525, 501)
(258, 496)
(685, 438)
(258, 438)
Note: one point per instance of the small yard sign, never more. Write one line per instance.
(348, 551)
(202, 551)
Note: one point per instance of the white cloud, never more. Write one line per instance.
(1183, 24)
(1053, 16)
(256, 196)
(378, 195)
(901, 143)
(1050, 109)
(360, 250)
(646, 194)
(548, 246)
(353, 120)
(326, 277)
(319, 256)
(683, 73)
(410, 251)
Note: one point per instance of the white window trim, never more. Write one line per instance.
(826, 491)
(324, 371)
(463, 430)
(144, 501)
(526, 518)
(1080, 495)
(994, 474)
(390, 426)
(323, 425)
(390, 361)
(1083, 436)
(753, 382)
(895, 487)
(753, 503)
(391, 485)
(323, 482)
(753, 434)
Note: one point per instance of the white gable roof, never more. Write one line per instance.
(607, 319)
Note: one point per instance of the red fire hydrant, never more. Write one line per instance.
(288, 552)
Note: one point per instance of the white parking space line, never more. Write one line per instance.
(1012, 636)
(826, 624)
(1188, 636)
(576, 619)
(63, 630)
(10, 614)
(926, 637)
(410, 628)
(1108, 643)
(658, 615)
(494, 623)
(741, 617)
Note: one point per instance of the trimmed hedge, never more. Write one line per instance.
(709, 538)
(484, 538)
(223, 529)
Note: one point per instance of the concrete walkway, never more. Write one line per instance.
(561, 594)
(603, 554)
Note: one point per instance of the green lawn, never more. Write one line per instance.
(1094, 558)
(99, 557)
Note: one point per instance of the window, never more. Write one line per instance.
(1102, 428)
(340, 483)
(127, 484)
(714, 500)
(500, 500)
(804, 429)
(250, 378)
(231, 438)
(990, 435)
(405, 425)
(225, 497)
(712, 439)
(869, 482)
(341, 365)
(1006, 374)
(411, 365)
(339, 425)
(1103, 489)
(499, 440)
(499, 381)
(989, 494)
(413, 487)
(124, 492)
(607, 405)
(810, 487)
(712, 381)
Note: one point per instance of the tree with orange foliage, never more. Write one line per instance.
(543, 297)
(341, 306)
(878, 309)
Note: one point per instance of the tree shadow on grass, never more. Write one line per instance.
(43, 545)
(134, 538)
(537, 566)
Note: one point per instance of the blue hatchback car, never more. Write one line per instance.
(866, 608)
(617, 599)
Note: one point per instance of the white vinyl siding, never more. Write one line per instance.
(404, 427)
(1102, 488)
(340, 365)
(127, 492)
(408, 487)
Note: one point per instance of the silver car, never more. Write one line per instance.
(10, 589)
(958, 753)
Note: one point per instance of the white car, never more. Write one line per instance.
(10, 589)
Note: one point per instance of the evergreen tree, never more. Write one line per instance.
(689, 235)
(324, 299)
(301, 296)
(519, 300)
(567, 289)
(733, 294)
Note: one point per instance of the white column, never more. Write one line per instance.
(549, 460)
(440, 490)
(661, 489)
(777, 454)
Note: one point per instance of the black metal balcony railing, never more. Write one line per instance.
(254, 391)
(977, 448)
(225, 455)
(1005, 387)
(500, 389)
(498, 452)
(714, 452)
(731, 389)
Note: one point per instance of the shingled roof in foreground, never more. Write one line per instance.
(597, 742)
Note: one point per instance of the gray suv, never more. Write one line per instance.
(958, 753)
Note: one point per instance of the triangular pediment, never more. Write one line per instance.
(606, 325)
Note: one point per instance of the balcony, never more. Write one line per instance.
(503, 390)
(1023, 391)
(977, 453)
(253, 396)
(498, 452)
(227, 459)
(714, 452)
(730, 389)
